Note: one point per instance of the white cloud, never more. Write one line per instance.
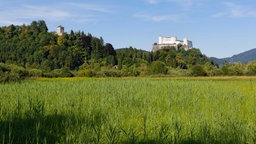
(4, 21)
(88, 7)
(158, 18)
(185, 4)
(234, 10)
(48, 12)
(25, 13)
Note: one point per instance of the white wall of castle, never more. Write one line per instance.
(171, 41)
(174, 41)
(167, 40)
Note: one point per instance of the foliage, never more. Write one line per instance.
(12, 73)
(64, 72)
(158, 67)
(170, 57)
(35, 73)
(32, 46)
(85, 73)
(251, 68)
(236, 69)
(43, 53)
(198, 70)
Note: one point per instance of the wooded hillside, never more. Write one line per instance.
(32, 47)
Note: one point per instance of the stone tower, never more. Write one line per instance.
(60, 30)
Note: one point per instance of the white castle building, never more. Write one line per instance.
(60, 30)
(171, 42)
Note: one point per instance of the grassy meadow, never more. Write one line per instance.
(129, 110)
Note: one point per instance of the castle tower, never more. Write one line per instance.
(60, 30)
(185, 41)
(160, 40)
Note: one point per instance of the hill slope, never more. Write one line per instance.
(243, 57)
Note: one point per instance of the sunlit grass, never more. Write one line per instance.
(129, 110)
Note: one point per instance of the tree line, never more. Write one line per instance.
(36, 52)
(34, 47)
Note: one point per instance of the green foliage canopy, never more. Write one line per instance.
(33, 47)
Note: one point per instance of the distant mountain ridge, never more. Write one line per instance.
(243, 57)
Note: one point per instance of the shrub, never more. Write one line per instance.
(59, 73)
(216, 72)
(198, 70)
(86, 73)
(235, 69)
(109, 73)
(130, 71)
(179, 72)
(9, 77)
(35, 73)
(158, 67)
(12, 73)
(4, 68)
(65, 72)
(251, 68)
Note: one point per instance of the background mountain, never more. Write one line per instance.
(243, 57)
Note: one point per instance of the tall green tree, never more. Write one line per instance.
(251, 68)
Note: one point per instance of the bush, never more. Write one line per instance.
(179, 72)
(65, 72)
(130, 71)
(235, 69)
(20, 71)
(35, 73)
(59, 73)
(251, 68)
(198, 70)
(158, 67)
(4, 68)
(216, 72)
(12, 73)
(109, 73)
(86, 73)
(9, 77)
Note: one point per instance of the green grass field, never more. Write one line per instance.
(129, 110)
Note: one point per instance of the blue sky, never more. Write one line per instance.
(219, 28)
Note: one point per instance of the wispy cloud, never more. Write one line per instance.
(157, 18)
(31, 11)
(185, 4)
(25, 13)
(234, 10)
(183, 8)
(89, 7)
(152, 1)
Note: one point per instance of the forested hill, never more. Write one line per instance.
(170, 56)
(33, 48)
(244, 58)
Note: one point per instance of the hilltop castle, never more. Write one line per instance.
(171, 42)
